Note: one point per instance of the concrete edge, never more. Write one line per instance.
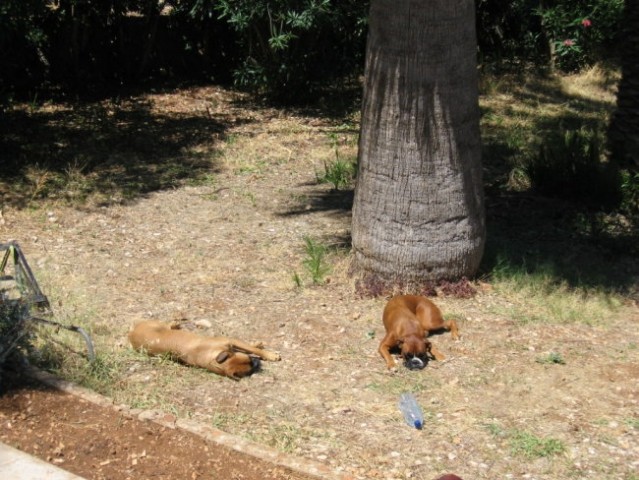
(15, 463)
(298, 464)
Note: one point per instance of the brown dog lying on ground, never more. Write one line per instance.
(408, 319)
(224, 356)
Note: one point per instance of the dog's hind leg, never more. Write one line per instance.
(451, 326)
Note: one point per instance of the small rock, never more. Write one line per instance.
(203, 323)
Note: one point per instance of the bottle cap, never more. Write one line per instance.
(418, 425)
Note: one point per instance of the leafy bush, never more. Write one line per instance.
(508, 30)
(571, 34)
(579, 31)
(288, 46)
(22, 40)
(630, 191)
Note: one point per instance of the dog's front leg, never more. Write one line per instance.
(254, 350)
(437, 355)
(385, 345)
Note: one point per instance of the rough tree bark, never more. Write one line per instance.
(418, 214)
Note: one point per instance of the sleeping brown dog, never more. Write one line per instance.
(408, 320)
(224, 356)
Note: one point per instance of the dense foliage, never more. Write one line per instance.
(567, 34)
(288, 46)
(281, 47)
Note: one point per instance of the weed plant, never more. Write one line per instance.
(297, 280)
(315, 261)
(339, 173)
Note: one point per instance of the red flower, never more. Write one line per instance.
(586, 23)
(568, 42)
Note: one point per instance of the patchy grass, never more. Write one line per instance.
(530, 446)
(62, 355)
(526, 444)
(542, 296)
(632, 423)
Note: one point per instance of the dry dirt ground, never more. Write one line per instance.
(223, 254)
(100, 442)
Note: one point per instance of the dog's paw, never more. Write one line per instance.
(272, 357)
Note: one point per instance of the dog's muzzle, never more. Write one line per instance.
(414, 362)
(256, 364)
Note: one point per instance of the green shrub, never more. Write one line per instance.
(630, 192)
(580, 32)
(287, 47)
(571, 33)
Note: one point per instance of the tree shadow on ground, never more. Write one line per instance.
(333, 102)
(531, 110)
(528, 234)
(322, 200)
(569, 240)
(106, 151)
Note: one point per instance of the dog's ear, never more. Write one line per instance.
(222, 357)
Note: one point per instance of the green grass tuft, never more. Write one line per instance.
(552, 358)
(530, 446)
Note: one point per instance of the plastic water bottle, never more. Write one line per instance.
(411, 410)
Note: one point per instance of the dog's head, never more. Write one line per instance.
(236, 364)
(415, 352)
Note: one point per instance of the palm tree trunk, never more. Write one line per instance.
(418, 210)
